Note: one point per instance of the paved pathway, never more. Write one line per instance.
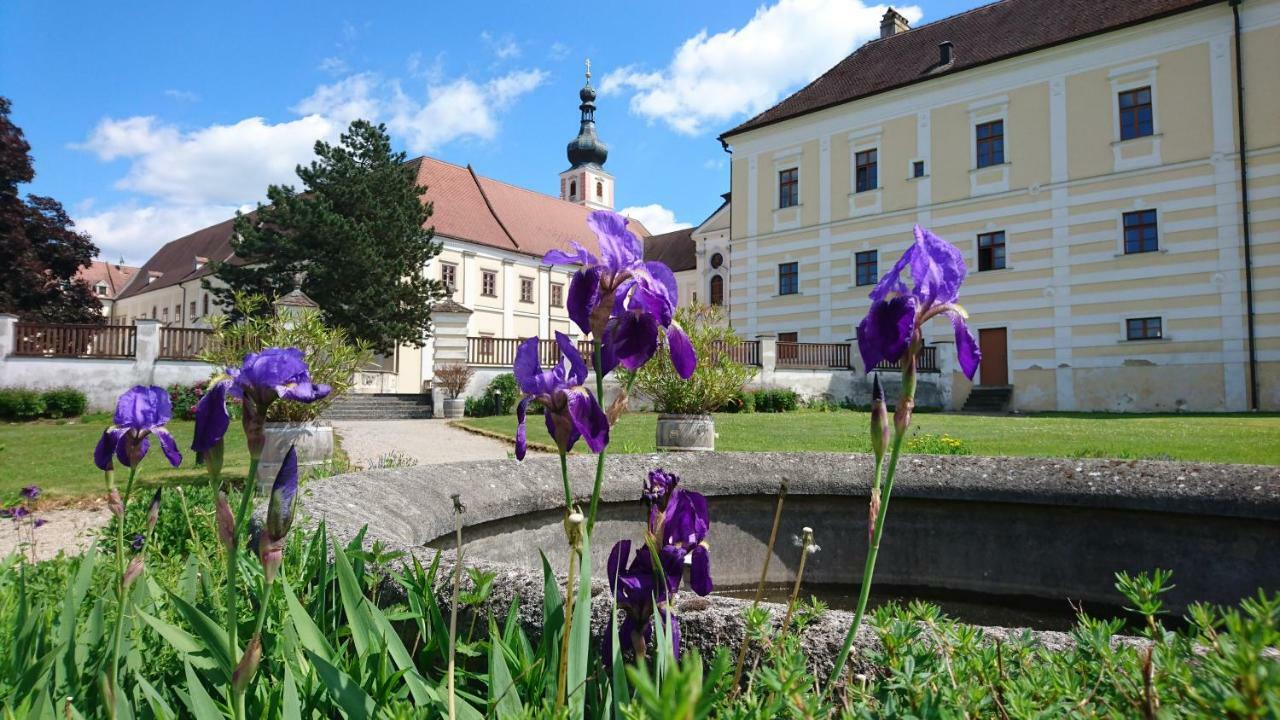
(427, 441)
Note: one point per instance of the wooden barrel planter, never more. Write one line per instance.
(681, 433)
(312, 440)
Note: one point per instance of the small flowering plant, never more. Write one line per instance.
(675, 542)
(892, 331)
(22, 514)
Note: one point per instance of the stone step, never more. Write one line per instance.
(381, 406)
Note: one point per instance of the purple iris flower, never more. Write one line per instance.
(264, 377)
(640, 588)
(212, 418)
(30, 492)
(284, 494)
(140, 413)
(570, 410)
(138, 542)
(40, 522)
(892, 326)
(18, 512)
(622, 301)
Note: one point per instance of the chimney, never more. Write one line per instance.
(946, 53)
(893, 23)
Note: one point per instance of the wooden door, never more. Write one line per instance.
(994, 344)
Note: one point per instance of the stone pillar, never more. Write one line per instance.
(855, 357)
(768, 356)
(146, 350)
(8, 335)
(948, 366)
(449, 346)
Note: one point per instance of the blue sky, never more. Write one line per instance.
(150, 120)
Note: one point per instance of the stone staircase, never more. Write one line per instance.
(988, 399)
(380, 406)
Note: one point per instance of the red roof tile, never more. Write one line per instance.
(115, 275)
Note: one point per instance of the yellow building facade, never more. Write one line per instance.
(1094, 187)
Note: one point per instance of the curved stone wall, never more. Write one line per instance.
(1043, 528)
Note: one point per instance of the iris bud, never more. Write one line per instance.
(879, 419)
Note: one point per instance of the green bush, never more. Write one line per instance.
(742, 402)
(184, 399)
(499, 398)
(64, 402)
(20, 404)
(718, 378)
(776, 400)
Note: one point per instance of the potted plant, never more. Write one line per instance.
(454, 378)
(330, 353)
(684, 406)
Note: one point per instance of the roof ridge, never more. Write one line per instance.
(940, 20)
(489, 204)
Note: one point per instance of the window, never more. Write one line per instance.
(990, 139)
(526, 289)
(192, 314)
(154, 315)
(917, 169)
(206, 304)
(865, 171)
(166, 314)
(866, 267)
(489, 283)
(573, 189)
(991, 251)
(599, 189)
(487, 347)
(1148, 328)
(100, 289)
(449, 276)
(788, 278)
(1135, 113)
(557, 295)
(1140, 232)
(717, 290)
(789, 188)
(177, 312)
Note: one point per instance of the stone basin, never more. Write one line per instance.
(1026, 528)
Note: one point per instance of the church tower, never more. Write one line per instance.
(586, 182)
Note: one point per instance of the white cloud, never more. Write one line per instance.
(135, 232)
(334, 65)
(219, 164)
(558, 51)
(504, 47)
(182, 95)
(655, 217)
(712, 78)
(459, 109)
(185, 179)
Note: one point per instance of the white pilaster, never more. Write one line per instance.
(509, 290)
(1058, 294)
(1229, 278)
(469, 279)
(544, 301)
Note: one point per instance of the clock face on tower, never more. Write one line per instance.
(717, 260)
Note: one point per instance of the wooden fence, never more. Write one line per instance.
(183, 343)
(64, 340)
(926, 363)
(831, 356)
(501, 352)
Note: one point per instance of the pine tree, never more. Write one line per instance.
(354, 239)
(40, 252)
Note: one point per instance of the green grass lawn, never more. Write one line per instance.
(1238, 438)
(59, 457)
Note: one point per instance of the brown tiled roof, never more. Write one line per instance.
(115, 275)
(674, 249)
(983, 35)
(467, 207)
(176, 261)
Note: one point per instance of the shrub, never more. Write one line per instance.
(184, 399)
(744, 401)
(64, 402)
(717, 380)
(20, 404)
(332, 356)
(499, 398)
(776, 400)
(454, 377)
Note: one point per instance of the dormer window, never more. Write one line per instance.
(100, 289)
(200, 262)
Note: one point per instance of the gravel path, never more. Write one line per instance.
(70, 529)
(430, 442)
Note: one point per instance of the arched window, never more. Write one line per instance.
(573, 189)
(599, 189)
(717, 290)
